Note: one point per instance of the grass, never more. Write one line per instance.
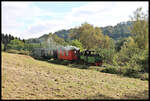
(23, 77)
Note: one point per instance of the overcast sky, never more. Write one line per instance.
(33, 19)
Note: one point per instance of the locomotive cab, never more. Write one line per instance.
(91, 57)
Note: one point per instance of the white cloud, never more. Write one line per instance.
(22, 18)
(44, 27)
(105, 13)
(16, 15)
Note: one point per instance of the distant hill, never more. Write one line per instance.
(118, 31)
(121, 30)
(63, 33)
(48, 39)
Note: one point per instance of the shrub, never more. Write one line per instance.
(12, 51)
(133, 57)
(110, 69)
(143, 61)
(15, 44)
(144, 76)
(107, 55)
(139, 61)
(114, 60)
(24, 52)
(131, 72)
(18, 52)
(2, 47)
(126, 71)
(31, 46)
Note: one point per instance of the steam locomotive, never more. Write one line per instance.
(70, 53)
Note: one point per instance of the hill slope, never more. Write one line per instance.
(26, 78)
(121, 30)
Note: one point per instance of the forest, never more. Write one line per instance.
(123, 47)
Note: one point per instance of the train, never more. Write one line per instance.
(70, 53)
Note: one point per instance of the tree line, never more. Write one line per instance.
(6, 39)
(121, 30)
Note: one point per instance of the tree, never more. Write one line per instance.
(59, 40)
(31, 46)
(119, 43)
(140, 35)
(2, 38)
(134, 49)
(15, 44)
(5, 42)
(9, 38)
(23, 40)
(88, 35)
(77, 43)
(107, 42)
(140, 28)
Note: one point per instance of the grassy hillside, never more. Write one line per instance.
(26, 78)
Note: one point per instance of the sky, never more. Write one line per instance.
(34, 19)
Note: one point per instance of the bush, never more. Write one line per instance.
(24, 52)
(107, 55)
(110, 69)
(144, 76)
(12, 51)
(18, 52)
(133, 57)
(31, 46)
(126, 71)
(15, 44)
(2, 47)
(131, 72)
(114, 70)
(139, 61)
(143, 61)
